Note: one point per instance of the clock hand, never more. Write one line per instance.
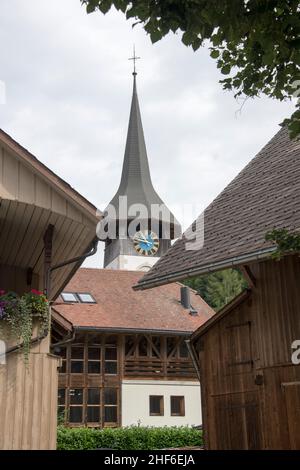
(144, 241)
(144, 236)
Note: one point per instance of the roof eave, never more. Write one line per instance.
(50, 177)
(132, 330)
(205, 269)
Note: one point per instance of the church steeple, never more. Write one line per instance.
(136, 181)
(136, 185)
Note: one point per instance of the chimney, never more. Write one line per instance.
(186, 300)
(185, 297)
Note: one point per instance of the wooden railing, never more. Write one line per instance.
(180, 369)
(145, 367)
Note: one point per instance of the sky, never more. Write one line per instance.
(65, 93)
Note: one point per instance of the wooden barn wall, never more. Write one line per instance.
(250, 388)
(28, 405)
(28, 394)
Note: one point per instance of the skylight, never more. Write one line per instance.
(82, 297)
(86, 298)
(69, 297)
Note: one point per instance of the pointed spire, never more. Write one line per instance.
(136, 181)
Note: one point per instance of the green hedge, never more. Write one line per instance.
(130, 438)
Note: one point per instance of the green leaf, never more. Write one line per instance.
(121, 5)
(90, 8)
(226, 69)
(214, 53)
(104, 6)
(188, 38)
(196, 43)
(155, 36)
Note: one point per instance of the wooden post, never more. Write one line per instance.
(48, 238)
(246, 271)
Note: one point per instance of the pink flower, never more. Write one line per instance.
(36, 292)
(2, 292)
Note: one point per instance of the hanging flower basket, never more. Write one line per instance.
(18, 312)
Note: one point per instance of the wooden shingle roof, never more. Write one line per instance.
(263, 196)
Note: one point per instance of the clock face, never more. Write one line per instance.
(146, 243)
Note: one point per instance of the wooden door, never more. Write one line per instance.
(238, 421)
(291, 391)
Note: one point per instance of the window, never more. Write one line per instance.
(93, 405)
(111, 356)
(83, 297)
(94, 360)
(76, 405)
(63, 354)
(156, 404)
(110, 405)
(86, 298)
(77, 355)
(61, 402)
(69, 297)
(177, 406)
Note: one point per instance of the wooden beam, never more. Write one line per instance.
(249, 276)
(149, 339)
(175, 348)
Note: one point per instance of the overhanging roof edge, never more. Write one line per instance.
(204, 269)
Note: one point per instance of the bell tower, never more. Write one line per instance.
(140, 247)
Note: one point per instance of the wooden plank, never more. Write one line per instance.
(17, 233)
(26, 242)
(26, 187)
(28, 403)
(262, 355)
(292, 401)
(10, 176)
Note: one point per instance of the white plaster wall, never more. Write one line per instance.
(135, 402)
(132, 263)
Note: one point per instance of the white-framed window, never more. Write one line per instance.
(69, 297)
(86, 298)
(82, 297)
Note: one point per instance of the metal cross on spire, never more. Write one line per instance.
(134, 58)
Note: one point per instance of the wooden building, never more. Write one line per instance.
(125, 359)
(250, 383)
(43, 222)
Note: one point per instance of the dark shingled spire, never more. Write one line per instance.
(136, 181)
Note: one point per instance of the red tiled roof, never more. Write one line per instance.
(119, 306)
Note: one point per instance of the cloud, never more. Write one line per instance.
(68, 91)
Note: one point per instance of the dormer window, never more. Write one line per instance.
(82, 297)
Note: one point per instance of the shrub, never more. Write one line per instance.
(130, 438)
